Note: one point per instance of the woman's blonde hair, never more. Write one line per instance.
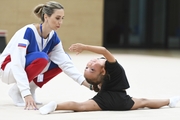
(47, 8)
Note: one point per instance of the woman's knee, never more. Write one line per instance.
(42, 55)
(34, 56)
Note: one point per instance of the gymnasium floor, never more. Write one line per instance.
(151, 74)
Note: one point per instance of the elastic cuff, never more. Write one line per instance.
(80, 80)
(25, 93)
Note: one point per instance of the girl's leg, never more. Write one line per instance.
(89, 105)
(150, 103)
(154, 103)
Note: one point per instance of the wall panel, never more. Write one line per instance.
(82, 23)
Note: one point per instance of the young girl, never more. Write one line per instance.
(35, 55)
(108, 78)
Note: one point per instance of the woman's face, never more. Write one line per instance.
(56, 19)
(93, 69)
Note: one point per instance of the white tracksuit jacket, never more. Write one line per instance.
(27, 40)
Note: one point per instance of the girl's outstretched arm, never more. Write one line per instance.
(79, 47)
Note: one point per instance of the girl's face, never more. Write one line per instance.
(56, 19)
(94, 68)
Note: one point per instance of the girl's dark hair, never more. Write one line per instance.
(95, 85)
(47, 8)
(100, 79)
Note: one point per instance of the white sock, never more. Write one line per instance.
(173, 101)
(15, 94)
(50, 107)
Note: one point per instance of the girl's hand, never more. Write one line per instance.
(78, 47)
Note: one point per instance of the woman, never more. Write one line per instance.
(35, 55)
(108, 79)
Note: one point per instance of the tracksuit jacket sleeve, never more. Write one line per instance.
(18, 63)
(64, 61)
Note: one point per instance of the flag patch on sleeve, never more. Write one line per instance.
(22, 45)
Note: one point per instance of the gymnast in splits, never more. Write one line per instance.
(107, 77)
